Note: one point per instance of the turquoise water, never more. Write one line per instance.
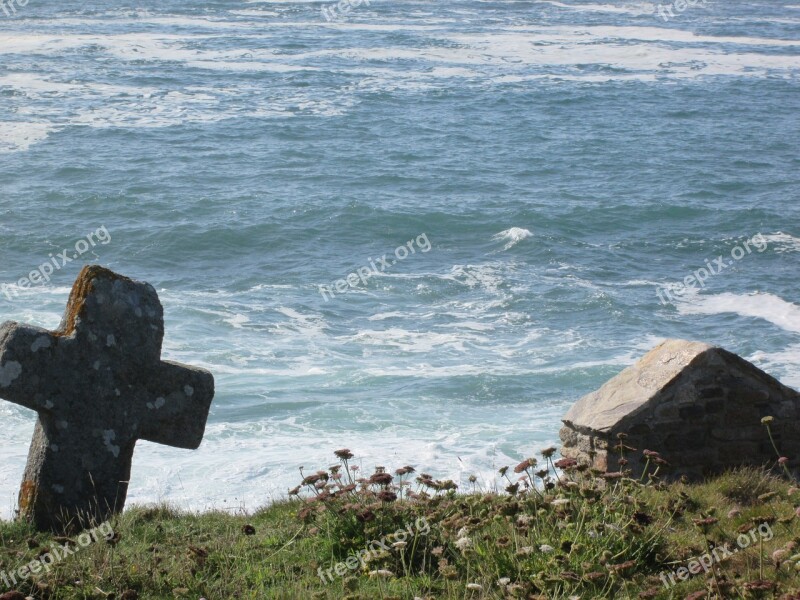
(564, 161)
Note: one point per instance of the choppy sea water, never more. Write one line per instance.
(562, 160)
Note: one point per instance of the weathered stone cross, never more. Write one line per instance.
(99, 385)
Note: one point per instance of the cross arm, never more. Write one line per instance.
(177, 410)
(26, 365)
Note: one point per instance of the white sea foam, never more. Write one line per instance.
(782, 242)
(515, 54)
(635, 9)
(769, 307)
(512, 236)
(256, 462)
(19, 136)
(388, 315)
(651, 34)
(254, 12)
(416, 341)
(784, 362)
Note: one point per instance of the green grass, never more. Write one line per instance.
(575, 535)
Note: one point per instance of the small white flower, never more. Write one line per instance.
(463, 543)
(475, 586)
(546, 548)
(560, 502)
(463, 532)
(524, 519)
(503, 581)
(381, 573)
(399, 544)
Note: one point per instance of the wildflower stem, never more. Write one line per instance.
(645, 470)
(777, 452)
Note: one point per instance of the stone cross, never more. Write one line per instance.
(99, 385)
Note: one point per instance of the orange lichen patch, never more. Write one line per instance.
(27, 497)
(77, 297)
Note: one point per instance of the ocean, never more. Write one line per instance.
(520, 189)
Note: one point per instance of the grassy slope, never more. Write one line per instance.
(609, 539)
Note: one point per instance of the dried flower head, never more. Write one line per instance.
(311, 479)
(524, 465)
(620, 447)
(705, 524)
(759, 586)
(381, 479)
(344, 454)
(387, 496)
(619, 568)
